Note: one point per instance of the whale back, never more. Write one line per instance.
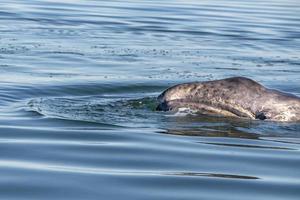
(231, 90)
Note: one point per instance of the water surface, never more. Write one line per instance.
(78, 85)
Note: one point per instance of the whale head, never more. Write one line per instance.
(237, 96)
(174, 96)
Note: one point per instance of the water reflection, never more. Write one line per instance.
(203, 125)
(210, 133)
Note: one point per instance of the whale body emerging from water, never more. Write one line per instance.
(235, 97)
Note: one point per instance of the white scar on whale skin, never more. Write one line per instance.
(235, 97)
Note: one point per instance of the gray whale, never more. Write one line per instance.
(235, 97)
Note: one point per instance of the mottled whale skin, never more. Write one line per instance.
(235, 97)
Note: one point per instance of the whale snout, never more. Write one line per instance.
(162, 106)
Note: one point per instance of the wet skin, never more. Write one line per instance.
(235, 97)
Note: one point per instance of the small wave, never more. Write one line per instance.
(104, 109)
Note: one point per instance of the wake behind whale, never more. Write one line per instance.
(235, 97)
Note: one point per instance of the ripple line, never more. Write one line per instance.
(90, 170)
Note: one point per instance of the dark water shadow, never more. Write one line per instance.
(215, 175)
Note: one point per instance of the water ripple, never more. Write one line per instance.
(78, 88)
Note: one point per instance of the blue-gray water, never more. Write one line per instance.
(78, 84)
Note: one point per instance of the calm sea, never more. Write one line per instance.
(78, 87)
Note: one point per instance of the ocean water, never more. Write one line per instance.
(78, 87)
